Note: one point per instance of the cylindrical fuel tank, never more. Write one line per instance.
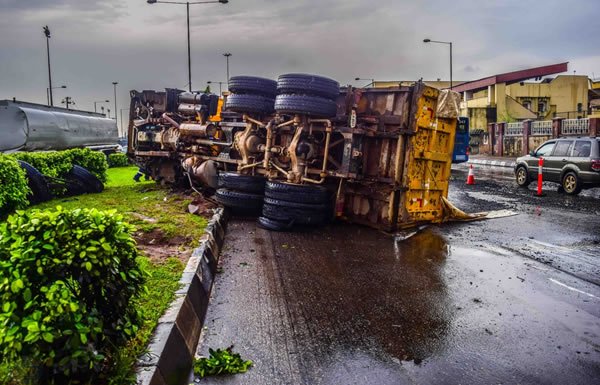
(197, 130)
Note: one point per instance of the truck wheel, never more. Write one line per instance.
(300, 213)
(89, 181)
(571, 183)
(253, 85)
(522, 176)
(40, 191)
(296, 192)
(308, 85)
(273, 225)
(305, 105)
(247, 183)
(239, 201)
(257, 104)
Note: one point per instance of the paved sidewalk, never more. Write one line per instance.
(488, 160)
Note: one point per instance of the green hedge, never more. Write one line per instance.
(68, 279)
(13, 186)
(58, 163)
(118, 159)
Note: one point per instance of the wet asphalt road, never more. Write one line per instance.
(510, 300)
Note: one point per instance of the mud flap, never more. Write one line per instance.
(454, 214)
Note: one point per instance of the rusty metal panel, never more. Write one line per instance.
(427, 164)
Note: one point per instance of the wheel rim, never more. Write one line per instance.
(570, 183)
(521, 176)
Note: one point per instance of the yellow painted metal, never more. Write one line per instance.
(217, 117)
(428, 161)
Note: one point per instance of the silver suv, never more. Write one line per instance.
(574, 163)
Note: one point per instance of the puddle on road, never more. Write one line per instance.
(369, 293)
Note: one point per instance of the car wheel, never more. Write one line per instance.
(571, 183)
(296, 193)
(40, 191)
(241, 202)
(250, 103)
(88, 181)
(253, 85)
(247, 183)
(305, 105)
(308, 85)
(522, 176)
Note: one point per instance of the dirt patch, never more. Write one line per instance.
(158, 247)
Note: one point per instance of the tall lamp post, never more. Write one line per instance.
(187, 4)
(443, 42)
(100, 101)
(220, 85)
(115, 90)
(47, 33)
(48, 92)
(372, 81)
(227, 56)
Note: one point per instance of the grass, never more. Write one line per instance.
(148, 207)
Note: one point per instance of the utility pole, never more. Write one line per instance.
(47, 33)
(67, 100)
(227, 55)
(115, 89)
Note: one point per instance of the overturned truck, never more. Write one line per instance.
(302, 150)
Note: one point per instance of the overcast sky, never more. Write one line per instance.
(143, 46)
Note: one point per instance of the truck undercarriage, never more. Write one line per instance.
(379, 157)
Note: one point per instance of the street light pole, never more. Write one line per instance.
(372, 81)
(220, 84)
(115, 90)
(189, 49)
(100, 101)
(48, 93)
(227, 55)
(47, 33)
(443, 42)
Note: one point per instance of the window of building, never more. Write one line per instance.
(563, 148)
(527, 104)
(582, 148)
(579, 107)
(541, 106)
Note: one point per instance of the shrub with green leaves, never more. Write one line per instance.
(53, 163)
(94, 161)
(57, 164)
(13, 186)
(68, 279)
(118, 159)
(221, 361)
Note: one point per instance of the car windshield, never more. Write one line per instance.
(545, 149)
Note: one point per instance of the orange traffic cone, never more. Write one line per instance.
(471, 176)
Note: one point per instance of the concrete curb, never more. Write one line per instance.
(173, 346)
(494, 163)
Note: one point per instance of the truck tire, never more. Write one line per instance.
(296, 192)
(90, 183)
(239, 201)
(273, 225)
(256, 104)
(247, 183)
(298, 213)
(307, 84)
(40, 191)
(305, 105)
(253, 85)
